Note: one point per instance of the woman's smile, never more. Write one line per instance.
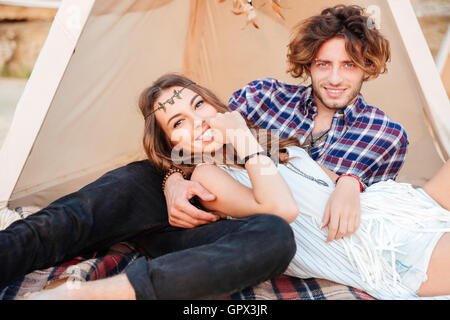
(207, 136)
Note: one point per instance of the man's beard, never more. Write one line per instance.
(336, 105)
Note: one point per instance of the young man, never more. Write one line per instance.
(338, 50)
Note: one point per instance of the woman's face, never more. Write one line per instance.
(184, 120)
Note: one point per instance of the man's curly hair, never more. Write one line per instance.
(366, 46)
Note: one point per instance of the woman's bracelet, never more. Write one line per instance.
(170, 172)
(266, 153)
(362, 186)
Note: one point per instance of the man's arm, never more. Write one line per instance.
(384, 147)
(390, 165)
(239, 101)
(256, 99)
(182, 213)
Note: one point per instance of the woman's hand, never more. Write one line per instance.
(343, 211)
(181, 212)
(232, 129)
(230, 125)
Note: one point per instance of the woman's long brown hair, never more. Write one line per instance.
(157, 144)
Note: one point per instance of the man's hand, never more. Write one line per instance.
(343, 211)
(181, 212)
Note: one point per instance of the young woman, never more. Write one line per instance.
(401, 248)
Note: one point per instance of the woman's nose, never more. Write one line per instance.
(198, 122)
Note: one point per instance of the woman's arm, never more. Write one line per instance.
(270, 193)
(236, 200)
(342, 212)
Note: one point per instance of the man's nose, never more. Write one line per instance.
(335, 78)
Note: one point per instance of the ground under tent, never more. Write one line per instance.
(78, 115)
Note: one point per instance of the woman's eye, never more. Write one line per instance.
(199, 104)
(349, 65)
(178, 123)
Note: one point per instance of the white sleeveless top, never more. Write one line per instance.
(387, 256)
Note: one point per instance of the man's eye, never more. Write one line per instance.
(350, 65)
(322, 64)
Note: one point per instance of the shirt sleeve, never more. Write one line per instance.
(387, 164)
(253, 100)
(242, 101)
(389, 167)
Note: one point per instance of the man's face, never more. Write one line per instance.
(336, 80)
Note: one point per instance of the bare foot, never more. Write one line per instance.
(62, 292)
(114, 288)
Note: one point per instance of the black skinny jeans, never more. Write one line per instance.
(206, 262)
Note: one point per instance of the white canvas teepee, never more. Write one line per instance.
(443, 61)
(78, 115)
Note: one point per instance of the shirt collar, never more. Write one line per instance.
(352, 111)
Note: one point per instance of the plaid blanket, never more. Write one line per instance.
(121, 255)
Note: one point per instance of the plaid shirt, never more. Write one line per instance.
(362, 140)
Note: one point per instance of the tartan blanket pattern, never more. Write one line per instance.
(78, 269)
(100, 266)
(121, 255)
